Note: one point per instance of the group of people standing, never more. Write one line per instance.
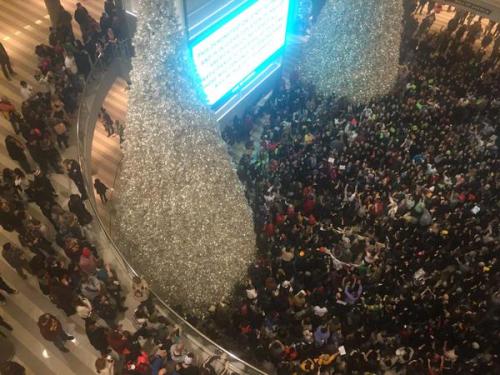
(59, 251)
(60, 255)
(378, 222)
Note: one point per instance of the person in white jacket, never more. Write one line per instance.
(70, 63)
(105, 365)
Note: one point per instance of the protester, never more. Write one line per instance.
(12, 368)
(8, 72)
(107, 121)
(16, 151)
(6, 288)
(16, 258)
(76, 206)
(51, 330)
(6, 325)
(377, 222)
(74, 172)
(101, 189)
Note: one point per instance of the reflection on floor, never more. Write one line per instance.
(106, 152)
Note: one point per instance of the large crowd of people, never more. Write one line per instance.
(59, 251)
(378, 222)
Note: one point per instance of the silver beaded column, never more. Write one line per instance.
(354, 48)
(184, 222)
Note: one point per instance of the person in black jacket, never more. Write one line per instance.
(42, 182)
(82, 17)
(16, 152)
(5, 63)
(12, 368)
(82, 59)
(101, 190)
(6, 288)
(76, 206)
(75, 173)
(109, 7)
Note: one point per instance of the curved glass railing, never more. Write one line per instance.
(103, 74)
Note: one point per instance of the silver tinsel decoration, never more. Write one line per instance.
(184, 222)
(354, 48)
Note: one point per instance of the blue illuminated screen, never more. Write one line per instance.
(233, 49)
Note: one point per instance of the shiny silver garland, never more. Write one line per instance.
(184, 222)
(353, 50)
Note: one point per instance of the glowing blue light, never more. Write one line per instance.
(232, 50)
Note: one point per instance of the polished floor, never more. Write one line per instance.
(106, 152)
(23, 25)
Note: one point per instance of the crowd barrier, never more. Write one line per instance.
(116, 63)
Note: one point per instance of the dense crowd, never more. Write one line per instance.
(378, 222)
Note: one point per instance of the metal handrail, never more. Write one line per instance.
(117, 173)
(85, 130)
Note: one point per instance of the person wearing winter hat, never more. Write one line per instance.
(77, 207)
(15, 149)
(75, 174)
(97, 336)
(5, 287)
(321, 336)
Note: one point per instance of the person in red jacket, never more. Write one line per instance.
(119, 341)
(269, 229)
(309, 204)
(51, 330)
